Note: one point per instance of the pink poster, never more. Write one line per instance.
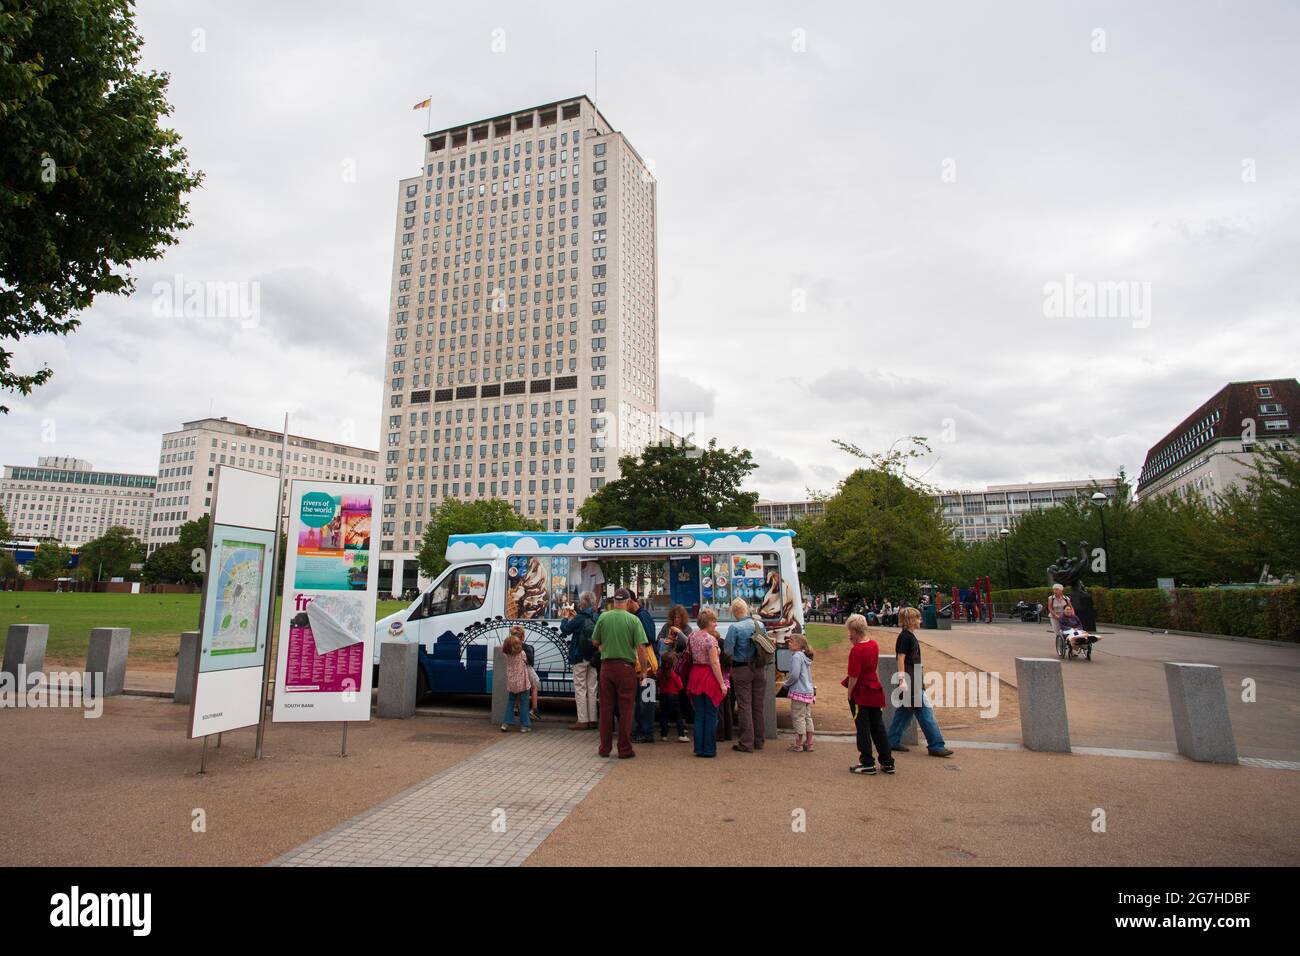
(322, 654)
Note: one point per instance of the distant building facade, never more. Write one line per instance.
(188, 459)
(68, 500)
(1213, 448)
(980, 515)
(778, 514)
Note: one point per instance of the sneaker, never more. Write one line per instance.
(525, 730)
(580, 725)
(899, 748)
(504, 728)
(868, 770)
(888, 768)
(942, 752)
(663, 736)
(741, 748)
(683, 739)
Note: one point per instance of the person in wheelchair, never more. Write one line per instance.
(1072, 630)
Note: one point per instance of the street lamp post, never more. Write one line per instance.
(1099, 499)
(1005, 534)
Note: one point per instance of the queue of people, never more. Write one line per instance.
(625, 672)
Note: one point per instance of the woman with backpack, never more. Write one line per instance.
(748, 677)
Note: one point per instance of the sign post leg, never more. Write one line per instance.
(344, 751)
(203, 757)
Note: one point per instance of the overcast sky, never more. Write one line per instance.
(861, 206)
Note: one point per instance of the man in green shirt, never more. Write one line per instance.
(622, 641)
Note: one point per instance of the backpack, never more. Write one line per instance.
(764, 647)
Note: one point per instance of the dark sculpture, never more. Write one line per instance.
(1068, 572)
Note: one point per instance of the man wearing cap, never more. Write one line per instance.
(622, 642)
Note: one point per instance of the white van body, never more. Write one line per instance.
(497, 580)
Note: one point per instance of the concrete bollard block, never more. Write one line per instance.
(398, 679)
(1200, 711)
(769, 705)
(25, 645)
(1044, 724)
(187, 662)
(107, 655)
(887, 668)
(500, 694)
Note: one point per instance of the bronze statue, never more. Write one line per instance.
(1068, 572)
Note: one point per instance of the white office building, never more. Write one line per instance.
(68, 500)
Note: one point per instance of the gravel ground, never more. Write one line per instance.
(121, 789)
(981, 807)
(831, 712)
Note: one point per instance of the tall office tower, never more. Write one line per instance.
(523, 337)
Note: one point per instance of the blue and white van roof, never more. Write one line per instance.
(686, 540)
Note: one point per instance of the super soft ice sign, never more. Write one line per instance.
(639, 542)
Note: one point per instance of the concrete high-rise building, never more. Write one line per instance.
(188, 459)
(1213, 448)
(66, 499)
(523, 337)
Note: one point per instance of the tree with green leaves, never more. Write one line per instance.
(453, 516)
(92, 182)
(8, 563)
(1275, 489)
(175, 563)
(168, 564)
(880, 525)
(50, 561)
(110, 556)
(669, 485)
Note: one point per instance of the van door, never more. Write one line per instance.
(445, 611)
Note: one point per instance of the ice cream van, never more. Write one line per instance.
(532, 579)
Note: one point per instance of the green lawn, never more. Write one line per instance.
(155, 620)
(824, 635)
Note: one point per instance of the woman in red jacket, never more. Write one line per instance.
(866, 699)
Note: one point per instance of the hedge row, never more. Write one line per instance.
(1271, 614)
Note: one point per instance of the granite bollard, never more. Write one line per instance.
(887, 668)
(107, 655)
(187, 662)
(399, 679)
(1200, 710)
(1044, 723)
(25, 645)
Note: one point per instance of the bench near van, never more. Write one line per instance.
(494, 581)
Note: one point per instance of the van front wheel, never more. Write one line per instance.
(421, 684)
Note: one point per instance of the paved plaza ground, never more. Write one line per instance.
(123, 789)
